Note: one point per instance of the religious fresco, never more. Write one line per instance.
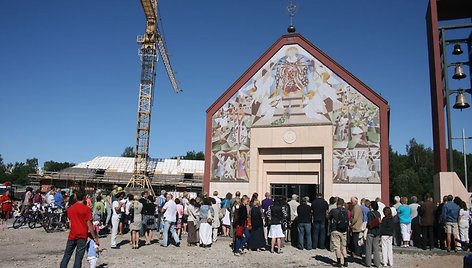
(294, 88)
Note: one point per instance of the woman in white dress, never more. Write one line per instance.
(276, 214)
(206, 219)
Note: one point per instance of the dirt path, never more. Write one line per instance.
(25, 247)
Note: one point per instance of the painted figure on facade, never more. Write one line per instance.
(294, 88)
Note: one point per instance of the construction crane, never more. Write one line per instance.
(151, 42)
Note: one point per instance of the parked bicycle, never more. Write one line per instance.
(36, 219)
(23, 219)
(55, 219)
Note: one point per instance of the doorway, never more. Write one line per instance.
(287, 190)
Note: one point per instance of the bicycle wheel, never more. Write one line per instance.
(35, 222)
(47, 224)
(19, 221)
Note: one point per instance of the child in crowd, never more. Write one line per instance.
(93, 251)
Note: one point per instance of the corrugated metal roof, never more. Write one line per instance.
(126, 164)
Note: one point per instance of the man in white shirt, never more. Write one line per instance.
(293, 207)
(217, 199)
(293, 204)
(381, 207)
(169, 217)
(50, 197)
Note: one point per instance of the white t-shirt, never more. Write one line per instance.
(123, 201)
(50, 199)
(128, 206)
(464, 214)
(381, 209)
(170, 211)
(414, 210)
(394, 211)
(115, 205)
(217, 199)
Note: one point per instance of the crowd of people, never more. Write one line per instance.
(365, 229)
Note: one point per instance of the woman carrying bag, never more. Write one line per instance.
(192, 223)
(207, 215)
(373, 235)
(242, 233)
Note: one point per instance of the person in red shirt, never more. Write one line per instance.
(80, 217)
(6, 204)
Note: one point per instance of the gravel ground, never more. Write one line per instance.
(26, 247)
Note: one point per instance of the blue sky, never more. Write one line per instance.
(69, 70)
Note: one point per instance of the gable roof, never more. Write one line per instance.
(298, 39)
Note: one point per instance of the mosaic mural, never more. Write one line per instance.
(294, 88)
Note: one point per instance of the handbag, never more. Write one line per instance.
(249, 224)
(239, 231)
(375, 222)
(209, 218)
(222, 213)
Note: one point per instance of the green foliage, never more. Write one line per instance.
(191, 155)
(128, 152)
(53, 166)
(412, 173)
(3, 167)
(18, 173)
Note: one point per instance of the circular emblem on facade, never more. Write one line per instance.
(290, 137)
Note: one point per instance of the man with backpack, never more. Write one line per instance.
(339, 223)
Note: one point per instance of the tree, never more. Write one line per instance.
(32, 165)
(3, 168)
(192, 155)
(53, 166)
(411, 174)
(128, 152)
(200, 156)
(19, 171)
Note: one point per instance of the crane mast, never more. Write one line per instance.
(150, 42)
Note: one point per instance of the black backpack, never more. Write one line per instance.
(342, 221)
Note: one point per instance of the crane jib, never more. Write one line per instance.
(149, 7)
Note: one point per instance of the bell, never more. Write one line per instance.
(461, 102)
(457, 49)
(459, 72)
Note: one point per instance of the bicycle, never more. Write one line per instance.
(55, 219)
(23, 219)
(36, 219)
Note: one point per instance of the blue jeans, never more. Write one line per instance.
(79, 245)
(241, 241)
(165, 237)
(304, 235)
(319, 234)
